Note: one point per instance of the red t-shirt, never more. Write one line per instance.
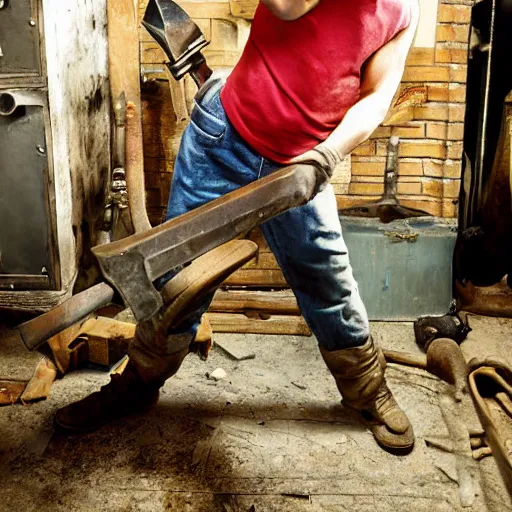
(296, 79)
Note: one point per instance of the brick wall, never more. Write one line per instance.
(427, 114)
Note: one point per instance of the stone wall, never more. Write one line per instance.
(427, 114)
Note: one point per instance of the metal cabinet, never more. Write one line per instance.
(27, 222)
(26, 260)
(19, 38)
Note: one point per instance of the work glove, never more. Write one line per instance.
(324, 159)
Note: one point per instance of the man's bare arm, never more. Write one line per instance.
(290, 10)
(380, 81)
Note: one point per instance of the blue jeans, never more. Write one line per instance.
(307, 242)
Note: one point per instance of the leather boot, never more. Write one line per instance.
(152, 360)
(359, 375)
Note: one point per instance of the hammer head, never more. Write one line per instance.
(180, 38)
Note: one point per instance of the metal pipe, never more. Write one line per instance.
(7, 104)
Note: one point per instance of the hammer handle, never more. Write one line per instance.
(39, 330)
(406, 359)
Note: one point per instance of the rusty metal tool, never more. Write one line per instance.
(180, 38)
(37, 331)
(387, 208)
(444, 359)
(134, 263)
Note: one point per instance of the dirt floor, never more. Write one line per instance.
(271, 436)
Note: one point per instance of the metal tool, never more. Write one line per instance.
(444, 360)
(180, 38)
(134, 263)
(387, 208)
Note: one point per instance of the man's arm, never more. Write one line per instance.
(290, 10)
(380, 80)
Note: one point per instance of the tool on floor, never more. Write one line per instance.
(444, 359)
(387, 208)
(490, 384)
(451, 325)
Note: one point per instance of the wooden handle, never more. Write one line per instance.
(406, 359)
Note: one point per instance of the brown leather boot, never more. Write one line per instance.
(359, 375)
(152, 360)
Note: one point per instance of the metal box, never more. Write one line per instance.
(26, 260)
(404, 268)
(19, 38)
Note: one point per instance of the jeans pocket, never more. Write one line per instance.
(209, 119)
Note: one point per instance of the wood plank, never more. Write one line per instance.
(41, 382)
(257, 278)
(271, 324)
(237, 301)
(263, 260)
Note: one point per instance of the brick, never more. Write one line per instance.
(433, 188)
(409, 188)
(381, 147)
(368, 168)
(206, 9)
(438, 92)
(224, 36)
(243, 8)
(340, 188)
(420, 57)
(150, 53)
(451, 13)
(422, 149)
(458, 73)
(454, 150)
(451, 55)
(450, 209)
(365, 149)
(451, 32)
(410, 168)
(160, 180)
(205, 25)
(451, 188)
(437, 130)
(455, 131)
(347, 201)
(428, 206)
(416, 131)
(433, 168)
(381, 132)
(432, 112)
(456, 113)
(453, 169)
(457, 93)
(427, 74)
(366, 189)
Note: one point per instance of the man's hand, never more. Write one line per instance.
(290, 10)
(323, 156)
(323, 159)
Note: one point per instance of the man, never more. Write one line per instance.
(316, 78)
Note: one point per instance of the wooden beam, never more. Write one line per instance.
(270, 324)
(238, 301)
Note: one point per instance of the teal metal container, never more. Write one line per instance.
(404, 268)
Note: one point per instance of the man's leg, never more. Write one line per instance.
(212, 161)
(309, 246)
